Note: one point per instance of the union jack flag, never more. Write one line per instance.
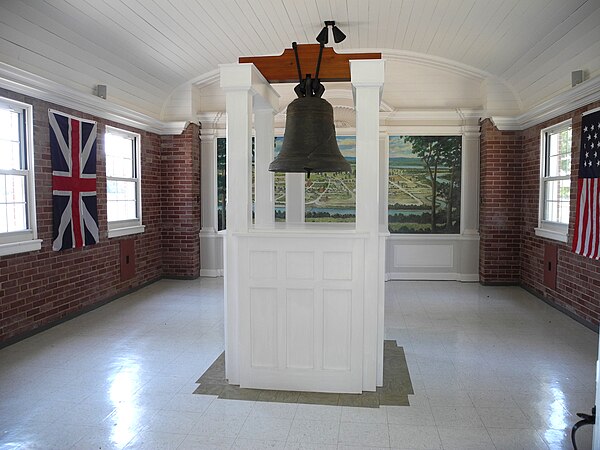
(586, 240)
(73, 154)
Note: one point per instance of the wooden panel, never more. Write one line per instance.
(282, 68)
(299, 265)
(127, 247)
(550, 262)
(337, 317)
(300, 316)
(422, 255)
(263, 265)
(263, 327)
(337, 266)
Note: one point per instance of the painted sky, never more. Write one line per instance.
(347, 145)
(399, 148)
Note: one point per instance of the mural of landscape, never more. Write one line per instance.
(424, 186)
(329, 197)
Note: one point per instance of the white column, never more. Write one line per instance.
(244, 87)
(264, 202)
(367, 82)
(384, 172)
(238, 104)
(294, 197)
(469, 200)
(239, 159)
(208, 180)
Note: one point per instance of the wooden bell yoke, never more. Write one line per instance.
(282, 68)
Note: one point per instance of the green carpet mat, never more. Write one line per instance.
(395, 390)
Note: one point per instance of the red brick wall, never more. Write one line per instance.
(578, 283)
(500, 218)
(43, 287)
(181, 204)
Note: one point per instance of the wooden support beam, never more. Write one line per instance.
(282, 68)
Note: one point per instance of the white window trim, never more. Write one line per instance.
(546, 229)
(117, 228)
(26, 240)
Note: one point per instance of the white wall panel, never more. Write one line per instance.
(337, 316)
(407, 255)
(337, 266)
(299, 265)
(263, 326)
(300, 318)
(263, 265)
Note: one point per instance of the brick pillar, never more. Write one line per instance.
(500, 218)
(180, 200)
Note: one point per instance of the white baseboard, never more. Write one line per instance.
(440, 276)
(211, 273)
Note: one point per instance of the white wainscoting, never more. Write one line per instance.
(432, 257)
(445, 257)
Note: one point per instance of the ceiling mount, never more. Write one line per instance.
(323, 36)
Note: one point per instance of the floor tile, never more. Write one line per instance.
(414, 437)
(195, 442)
(503, 418)
(465, 439)
(456, 416)
(324, 413)
(369, 434)
(314, 432)
(266, 428)
(517, 439)
(155, 440)
(257, 444)
(364, 415)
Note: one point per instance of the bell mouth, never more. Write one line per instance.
(309, 143)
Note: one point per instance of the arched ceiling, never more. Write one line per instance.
(504, 54)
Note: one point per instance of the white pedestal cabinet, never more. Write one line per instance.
(303, 302)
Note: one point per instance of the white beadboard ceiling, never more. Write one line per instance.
(146, 50)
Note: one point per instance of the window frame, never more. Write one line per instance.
(13, 242)
(548, 229)
(118, 228)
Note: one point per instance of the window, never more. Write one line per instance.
(123, 183)
(555, 182)
(18, 231)
(424, 184)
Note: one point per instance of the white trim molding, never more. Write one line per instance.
(576, 97)
(26, 83)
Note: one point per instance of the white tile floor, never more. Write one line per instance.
(492, 367)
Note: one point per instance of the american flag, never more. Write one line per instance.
(586, 241)
(73, 153)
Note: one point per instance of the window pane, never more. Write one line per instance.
(10, 146)
(557, 200)
(558, 153)
(120, 160)
(17, 217)
(13, 203)
(121, 200)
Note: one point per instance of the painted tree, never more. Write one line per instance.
(427, 148)
(438, 152)
(451, 153)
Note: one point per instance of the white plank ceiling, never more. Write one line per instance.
(144, 49)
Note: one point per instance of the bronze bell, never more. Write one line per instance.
(309, 142)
